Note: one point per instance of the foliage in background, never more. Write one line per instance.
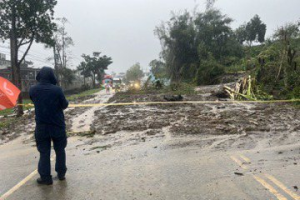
(94, 66)
(199, 47)
(278, 69)
(253, 31)
(61, 53)
(134, 73)
(193, 43)
(158, 69)
(24, 22)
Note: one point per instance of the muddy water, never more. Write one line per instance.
(84, 119)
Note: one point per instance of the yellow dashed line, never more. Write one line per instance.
(283, 187)
(270, 188)
(238, 162)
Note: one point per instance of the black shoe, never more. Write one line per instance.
(44, 182)
(61, 177)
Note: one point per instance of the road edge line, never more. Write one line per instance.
(20, 184)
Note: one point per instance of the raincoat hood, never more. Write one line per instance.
(46, 75)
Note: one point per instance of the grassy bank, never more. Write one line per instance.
(82, 94)
(70, 98)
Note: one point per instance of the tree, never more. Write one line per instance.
(288, 38)
(134, 73)
(24, 22)
(278, 72)
(190, 40)
(62, 43)
(256, 30)
(68, 76)
(84, 71)
(241, 34)
(179, 48)
(95, 65)
(210, 4)
(253, 31)
(158, 69)
(214, 35)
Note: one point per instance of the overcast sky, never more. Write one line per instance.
(123, 29)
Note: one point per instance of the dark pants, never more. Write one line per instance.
(43, 136)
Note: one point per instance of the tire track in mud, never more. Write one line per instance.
(82, 119)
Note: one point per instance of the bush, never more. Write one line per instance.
(208, 72)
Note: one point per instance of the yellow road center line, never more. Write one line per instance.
(245, 158)
(238, 162)
(20, 184)
(270, 188)
(283, 187)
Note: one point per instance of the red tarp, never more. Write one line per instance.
(9, 94)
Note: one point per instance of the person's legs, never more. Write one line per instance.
(60, 143)
(43, 142)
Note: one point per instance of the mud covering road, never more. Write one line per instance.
(204, 151)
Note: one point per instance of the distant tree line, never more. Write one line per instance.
(94, 67)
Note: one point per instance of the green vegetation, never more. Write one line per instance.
(94, 66)
(134, 73)
(83, 94)
(200, 47)
(5, 123)
(22, 23)
(10, 111)
(277, 70)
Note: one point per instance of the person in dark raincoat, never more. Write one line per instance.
(49, 102)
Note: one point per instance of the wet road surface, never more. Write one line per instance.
(149, 171)
(128, 165)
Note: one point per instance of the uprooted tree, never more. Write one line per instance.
(24, 22)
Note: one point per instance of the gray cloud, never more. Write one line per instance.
(123, 29)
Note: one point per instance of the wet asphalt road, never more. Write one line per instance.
(157, 167)
(149, 170)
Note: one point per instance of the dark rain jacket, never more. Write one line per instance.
(49, 99)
